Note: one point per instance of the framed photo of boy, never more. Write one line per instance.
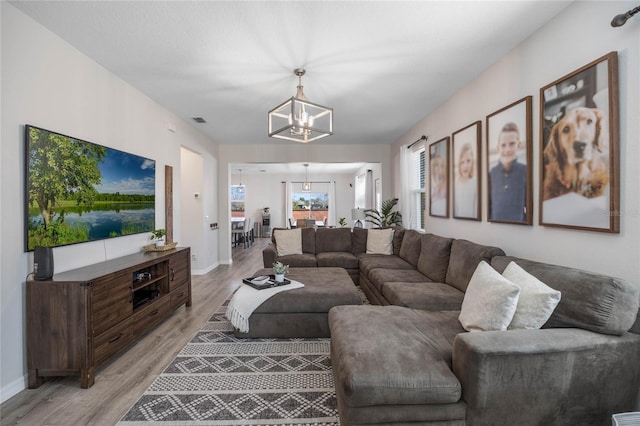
(465, 144)
(509, 164)
(438, 178)
(579, 149)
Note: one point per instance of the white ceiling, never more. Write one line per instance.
(382, 65)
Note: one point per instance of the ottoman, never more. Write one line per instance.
(302, 312)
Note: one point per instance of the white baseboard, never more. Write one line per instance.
(206, 270)
(13, 388)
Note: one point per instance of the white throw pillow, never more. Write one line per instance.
(537, 300)
(288, 241)
(380, 241)
(489, 302)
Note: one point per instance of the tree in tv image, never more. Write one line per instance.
(78, 191)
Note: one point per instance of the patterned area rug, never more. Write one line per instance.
(218, 379)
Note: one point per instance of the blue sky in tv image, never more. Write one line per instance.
(127, 174)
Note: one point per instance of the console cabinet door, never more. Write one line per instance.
(179, 269)
(111, 300)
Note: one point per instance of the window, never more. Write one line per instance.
(310, 205)
(237, 200)
(418, 195)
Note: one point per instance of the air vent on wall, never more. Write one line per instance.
(199, 119)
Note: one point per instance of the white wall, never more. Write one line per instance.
(314, 152)
(48, 83)
(577, 36)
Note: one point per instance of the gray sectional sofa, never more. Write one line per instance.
(413, 363)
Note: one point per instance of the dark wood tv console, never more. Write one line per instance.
(82, 318)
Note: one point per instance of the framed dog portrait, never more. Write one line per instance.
(579, 159)
(465, 144)
(509, 164)
(438, 178)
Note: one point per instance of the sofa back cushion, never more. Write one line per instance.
(333, 239)
(589, 300)
(465, 256)
(359, 240)
(398, 235)
(411, 246)
(434, 257)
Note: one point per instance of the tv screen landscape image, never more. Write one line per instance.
(77, 191)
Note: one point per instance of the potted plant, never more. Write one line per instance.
(342, 222)
(386, 216)
(279, 269)
(158, 235)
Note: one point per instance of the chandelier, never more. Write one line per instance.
(299, 120)
(306, 185)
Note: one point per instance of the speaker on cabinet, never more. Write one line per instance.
(42, 263)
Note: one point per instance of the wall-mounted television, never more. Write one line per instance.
(77, 191)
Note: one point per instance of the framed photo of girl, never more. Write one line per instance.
(438, 178)
(465, 144)
(509, 164)
(579, 149)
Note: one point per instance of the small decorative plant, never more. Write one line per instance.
(342, 221)
(158, 234)
(280, 268)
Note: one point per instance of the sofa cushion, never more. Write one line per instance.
(590, 301)
(337, 259)
(536, 301)
(368, 262)
(333, 239)
(379, 276)
(380, 241)
(359, 240)
(434, 257)
(411, 246)
(288, 241)
(429, 296)
(413, 368)
(308, 240)
(398, 235)
(489, 302)
(304, 260)
(465, 256)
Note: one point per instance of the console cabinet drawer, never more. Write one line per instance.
(112, 341)
(179, 296)
(151, 315)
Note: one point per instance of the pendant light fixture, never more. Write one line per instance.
(299, 120)
(306, 185)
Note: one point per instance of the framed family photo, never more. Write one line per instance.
(438, 178)
(509, 164)
(579, 152)
(465, 144)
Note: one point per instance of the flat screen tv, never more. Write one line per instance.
(77, 191)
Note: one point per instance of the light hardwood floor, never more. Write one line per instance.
(119, 384)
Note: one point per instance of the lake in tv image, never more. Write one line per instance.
(78, 191)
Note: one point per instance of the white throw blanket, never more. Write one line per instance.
(247, 299)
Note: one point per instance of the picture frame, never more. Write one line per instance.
(466, 172)
(509, 147)
(579, 149)
(439, 178)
